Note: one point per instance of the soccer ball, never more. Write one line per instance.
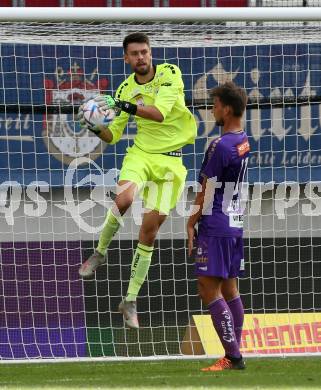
(95, 116)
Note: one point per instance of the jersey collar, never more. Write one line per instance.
(233, 132)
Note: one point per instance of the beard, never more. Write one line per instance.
(142, 71)
(219, 122)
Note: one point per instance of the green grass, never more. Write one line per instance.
(287, 373)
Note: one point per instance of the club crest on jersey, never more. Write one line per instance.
(62, 135)
(148, 88)
(139, 100)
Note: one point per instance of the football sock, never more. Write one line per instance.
(237, 310)
(223, 323)
(140, 265)
(110, 228)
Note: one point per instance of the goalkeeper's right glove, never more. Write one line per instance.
(106, 102)
(84, 124)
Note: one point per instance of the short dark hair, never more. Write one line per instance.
(231, 95)
(137, 37)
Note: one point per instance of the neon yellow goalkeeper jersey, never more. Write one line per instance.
(166, 92)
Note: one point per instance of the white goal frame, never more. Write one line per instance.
(115, 14)
(141, 14)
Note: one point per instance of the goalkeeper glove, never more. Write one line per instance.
(106, 102)
(84, 124)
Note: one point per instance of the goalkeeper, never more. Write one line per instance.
(154, 95)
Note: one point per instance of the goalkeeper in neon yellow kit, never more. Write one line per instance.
(154, 95)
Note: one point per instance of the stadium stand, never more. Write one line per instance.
(160, 3)
(124, 3)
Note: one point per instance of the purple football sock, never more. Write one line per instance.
(223, 323)
(237, 310)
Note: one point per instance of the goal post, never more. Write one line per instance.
(152, 14)
(57, 181)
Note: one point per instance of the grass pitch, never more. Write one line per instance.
(286, 373)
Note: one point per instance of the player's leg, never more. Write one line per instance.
(161, 194)
(132, 175)
(163, 184)
(210, 292)
(151, 223)
(230, 287)
(126, 192)
(212, 264)
(125, 195)
(232, 297)
(143, 254)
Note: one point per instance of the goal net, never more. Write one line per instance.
(57, 182)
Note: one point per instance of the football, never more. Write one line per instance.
(95, 116)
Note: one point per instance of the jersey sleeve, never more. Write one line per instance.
(201, 173)
(119, 123)
(217, 159)
(171, 87)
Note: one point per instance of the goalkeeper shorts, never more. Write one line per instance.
(160, 178)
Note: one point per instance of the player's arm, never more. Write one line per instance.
(103, 133)
(149, 112)
(113, 132)
(106, 102)
(171, 88)
(215, 161)
(196, 213)
(109, 134)
(172, 85)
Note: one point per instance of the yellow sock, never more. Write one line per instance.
(140, 266)
(110, 228)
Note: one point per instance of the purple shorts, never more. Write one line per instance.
(222, 257)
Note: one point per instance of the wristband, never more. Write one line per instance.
(130, 108)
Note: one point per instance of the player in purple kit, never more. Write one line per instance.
(218, 212)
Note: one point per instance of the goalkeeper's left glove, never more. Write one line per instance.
(106, 102)
(84, 124)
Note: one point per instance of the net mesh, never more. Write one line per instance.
(162, 34)
(51, 212)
